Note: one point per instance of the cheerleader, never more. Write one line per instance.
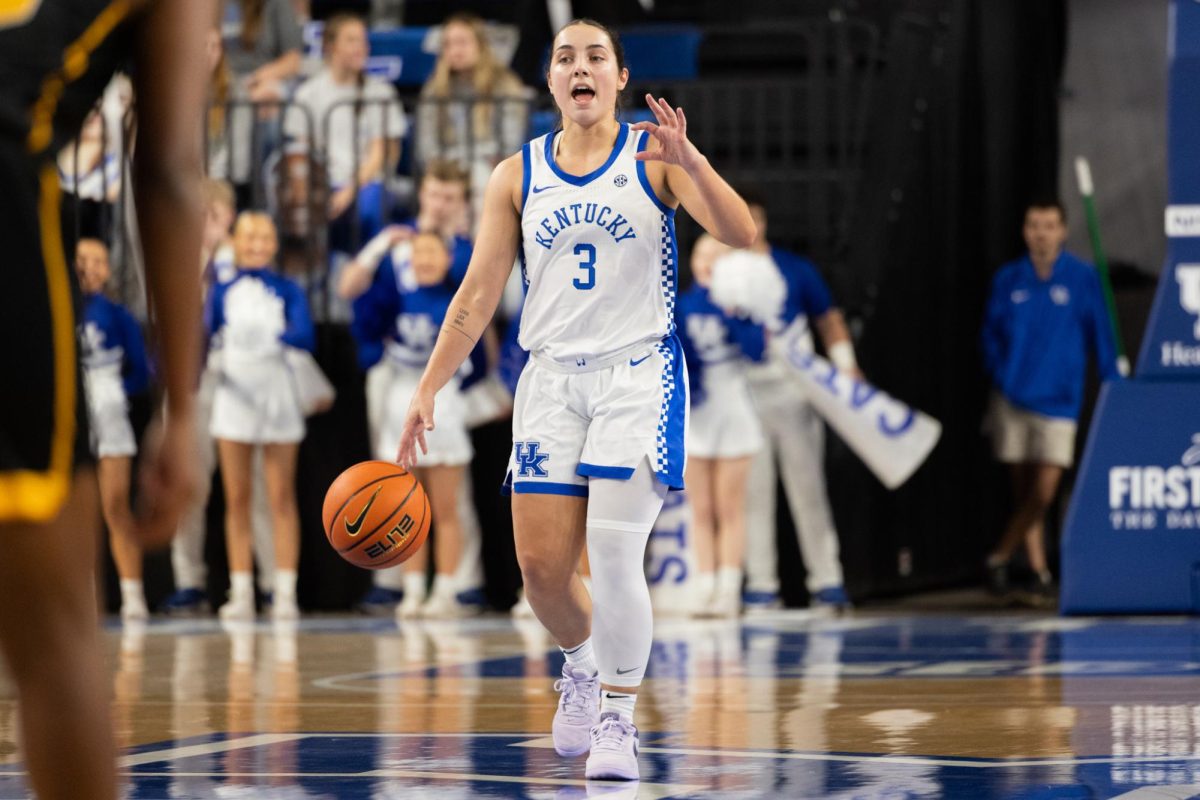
(724, 436)
(255, 318)
(114, 369)
(408, 324)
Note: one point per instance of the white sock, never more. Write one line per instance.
(620, 702)
(132, 593)
(581, 657)
(241, 587)
(285, 586)
(414, 586)
(703, 584)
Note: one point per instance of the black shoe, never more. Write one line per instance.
(998, 583)
(1040, 592)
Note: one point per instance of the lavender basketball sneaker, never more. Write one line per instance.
(614, 749)
(578, 711)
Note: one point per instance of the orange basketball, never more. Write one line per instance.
(376, 515)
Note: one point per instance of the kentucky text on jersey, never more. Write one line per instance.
(587, 213)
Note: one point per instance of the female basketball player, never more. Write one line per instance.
(114, 368)
(257, 315)
(407, 323)
(48, 509)
(600, 412)
(723, 436)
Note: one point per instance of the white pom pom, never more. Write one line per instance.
(748, 284)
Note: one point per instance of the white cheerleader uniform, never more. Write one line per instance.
(606, 385)
(724, 420)
(251, 319)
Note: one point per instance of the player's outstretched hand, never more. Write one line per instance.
(170, 480)
(418, 420)
(671, 133)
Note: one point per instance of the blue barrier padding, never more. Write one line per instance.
(1132, 538)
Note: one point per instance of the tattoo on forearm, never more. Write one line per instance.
(460, 316)
(460, 330)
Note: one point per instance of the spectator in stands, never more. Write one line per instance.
(795, 437)
(89, 171)
(407, 324)
(723, 435)
(257, 317)
(1046, 313)
(114, 369)
(356, 126)
(187, 548)
(473, 109)
(262, 43)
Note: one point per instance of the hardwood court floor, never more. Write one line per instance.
(867, 705)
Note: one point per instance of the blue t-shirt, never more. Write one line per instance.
(297, 325)
(807, 292)
(1037, 335)
(109, 334)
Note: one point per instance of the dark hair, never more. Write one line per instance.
(617, 47)
(1045, 203)
(753, 195)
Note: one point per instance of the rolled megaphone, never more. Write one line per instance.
(891, 437)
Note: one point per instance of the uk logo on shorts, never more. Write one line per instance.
(530, 461)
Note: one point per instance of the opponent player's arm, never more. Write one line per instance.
(476, 300)
(171, 85)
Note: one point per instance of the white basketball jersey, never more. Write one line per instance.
(598, 254)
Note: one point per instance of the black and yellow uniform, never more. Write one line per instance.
(56, 57)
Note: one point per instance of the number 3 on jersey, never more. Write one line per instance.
(589, 264)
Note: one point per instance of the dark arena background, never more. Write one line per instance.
(902, 147)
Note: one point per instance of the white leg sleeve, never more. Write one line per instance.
(619, 517)
(469, 574)
(802, 466)
(762, 559)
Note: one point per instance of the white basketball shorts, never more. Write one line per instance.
(600, 419)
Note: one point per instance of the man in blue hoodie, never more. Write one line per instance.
(1045, 315)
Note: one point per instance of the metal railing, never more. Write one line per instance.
(800, 140)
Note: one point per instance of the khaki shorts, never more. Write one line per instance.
(1020, 436)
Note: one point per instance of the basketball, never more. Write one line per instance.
(376, 515)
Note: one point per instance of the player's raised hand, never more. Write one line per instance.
(671, 134)
(418, 420)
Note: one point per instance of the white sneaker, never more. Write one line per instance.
(237, 610)
(134, 611)
(726, 603)
(614, 750)
(442, 606)
(578, 711)
(410, 607)
(285, 610)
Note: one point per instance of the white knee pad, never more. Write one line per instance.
(620, 515)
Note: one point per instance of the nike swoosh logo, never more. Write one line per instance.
(626, 671)
(633, 363)
(540, 189)
(352, 527)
